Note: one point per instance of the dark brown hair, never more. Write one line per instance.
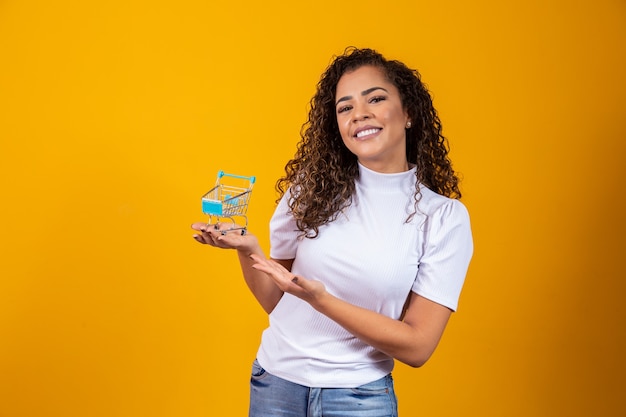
(323, 170)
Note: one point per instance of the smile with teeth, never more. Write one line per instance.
(366, 132)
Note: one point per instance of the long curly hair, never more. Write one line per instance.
(323, 171)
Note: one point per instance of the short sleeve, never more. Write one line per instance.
(283, 231)
(448, 248)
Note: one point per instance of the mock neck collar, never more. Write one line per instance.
(386, 182)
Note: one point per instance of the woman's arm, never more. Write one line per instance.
(262, 286)
(411, 341)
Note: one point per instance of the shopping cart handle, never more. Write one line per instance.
(220, 174)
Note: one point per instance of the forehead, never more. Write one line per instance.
(361, 79)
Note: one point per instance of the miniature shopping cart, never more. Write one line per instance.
(228, 200)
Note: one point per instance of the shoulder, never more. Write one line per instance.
(432, 204)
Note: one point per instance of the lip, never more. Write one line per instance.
(363, 128)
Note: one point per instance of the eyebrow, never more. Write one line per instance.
(363, 93)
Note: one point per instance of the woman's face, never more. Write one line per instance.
(372, 120)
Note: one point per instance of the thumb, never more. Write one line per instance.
(312, 288)
(303, 283)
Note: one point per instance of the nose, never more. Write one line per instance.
(360, 113)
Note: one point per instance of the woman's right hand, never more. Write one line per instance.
(219, 235)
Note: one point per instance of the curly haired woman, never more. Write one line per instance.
(369, 246)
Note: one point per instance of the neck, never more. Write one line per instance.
(385, 167)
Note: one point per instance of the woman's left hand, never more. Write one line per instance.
(306, 289)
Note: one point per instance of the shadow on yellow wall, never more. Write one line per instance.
(116, 117)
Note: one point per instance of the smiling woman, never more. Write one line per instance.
(371, 119)
(369, 246)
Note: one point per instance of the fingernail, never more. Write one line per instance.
(295, 280)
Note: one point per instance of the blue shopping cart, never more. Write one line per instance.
(228, 200)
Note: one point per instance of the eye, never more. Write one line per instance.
(376, 99)
(343, 108)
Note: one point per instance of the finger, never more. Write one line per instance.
(200, 239)
(301, 282)
(266, 261)
(269, 269)
(229, 229)
(210, 236)
(200, 227)
(262, 267)
(221, 236)
(267, 265)
(276, 271)
(214, 238)
(256, 258)
(222, 226)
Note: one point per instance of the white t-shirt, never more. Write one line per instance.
(370, 257)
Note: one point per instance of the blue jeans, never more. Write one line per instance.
(271, 396)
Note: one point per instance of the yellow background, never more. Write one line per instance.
(115, 117)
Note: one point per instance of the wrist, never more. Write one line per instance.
(321, 300)
(250, 247)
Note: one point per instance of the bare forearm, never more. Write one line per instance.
(262, 287)
(407, 343)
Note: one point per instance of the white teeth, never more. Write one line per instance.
(366, 132)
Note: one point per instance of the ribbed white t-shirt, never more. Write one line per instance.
(371, 257)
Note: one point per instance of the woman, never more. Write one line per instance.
(369, 246)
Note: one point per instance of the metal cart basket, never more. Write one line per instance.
(229, 200)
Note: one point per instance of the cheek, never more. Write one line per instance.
(395, 115)
(344, 128)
